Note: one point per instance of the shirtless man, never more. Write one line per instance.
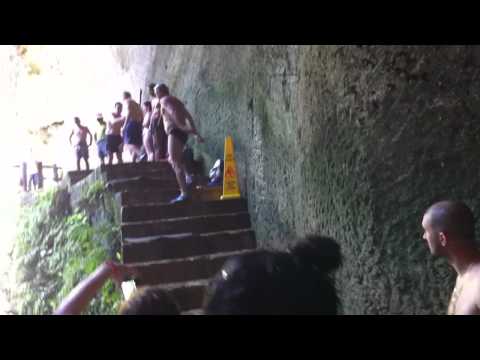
(80, 143)
(178, 125)
(135, 111)
(132, 129)
(114, 134)
(147, 136)
(157, 128)
(450, 232)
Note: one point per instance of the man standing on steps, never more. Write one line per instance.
(81, 147)
(132, 130)
(157, 129)
(178, 125)
(100, 138)
(449, 229)
(114, 137)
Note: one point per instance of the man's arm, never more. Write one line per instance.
(70, 138)
(189, 118)
(89, 133)
(114, 121)
(79, 298)
(127, 112)
(174, 111)
(192, 126)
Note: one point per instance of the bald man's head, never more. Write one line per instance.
(453, 218)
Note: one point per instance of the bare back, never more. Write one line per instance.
(134, 111)
(155, 104)
(465, 298)
(174, 114)
(156, 114)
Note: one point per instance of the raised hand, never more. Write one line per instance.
(120, 272)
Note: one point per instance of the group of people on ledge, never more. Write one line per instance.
(299, 281)
(156, 132)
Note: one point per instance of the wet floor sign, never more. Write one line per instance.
(230, 179)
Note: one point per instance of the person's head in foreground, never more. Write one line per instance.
(76, 119)
(449, 228)
(297, 282)
(149, 300)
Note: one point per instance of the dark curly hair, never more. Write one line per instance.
(296, 282)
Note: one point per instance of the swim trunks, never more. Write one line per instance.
(180, 135)
(81, 150)
(113, 143)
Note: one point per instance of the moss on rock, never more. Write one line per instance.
(350, 141)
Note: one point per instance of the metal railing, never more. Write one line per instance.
(25, 180)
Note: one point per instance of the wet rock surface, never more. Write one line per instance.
(349, 141)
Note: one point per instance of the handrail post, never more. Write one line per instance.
(55, 173)
(40, 174)
(24, 176)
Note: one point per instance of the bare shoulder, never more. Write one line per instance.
(475, 271)
(165, 100)
(475, 279)
(170, 101)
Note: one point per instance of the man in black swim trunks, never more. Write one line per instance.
(157, 129)
(178, 125)
(114, 137)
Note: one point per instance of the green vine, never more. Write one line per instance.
(57, 247)
(95, 191)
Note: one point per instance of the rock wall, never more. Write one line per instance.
(349, 141)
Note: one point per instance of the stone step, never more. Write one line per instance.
(109, 176)
(145, 197)
(137, 167)
(194, 224)
(193, 312)
(186, 209)
(114, 173)
(185, 245)
(182, 270)
(76, 176)
(141, 183)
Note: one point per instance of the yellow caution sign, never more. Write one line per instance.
(231, 189)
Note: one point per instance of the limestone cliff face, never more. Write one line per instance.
(348, 141)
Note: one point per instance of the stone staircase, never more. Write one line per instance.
(176, 246)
